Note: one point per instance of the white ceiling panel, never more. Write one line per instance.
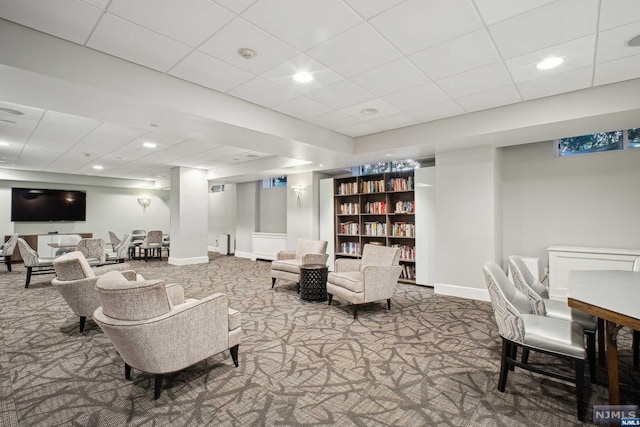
(125, 40)
(370, 8)
(283, 74)
(418, 24)
(341, 94)
(303, 108)
(99, 143)
(493, 11)
(188, 21)
(475, 81)
(28, 113)
(263, 92)
(270, 52)
(236, 6)
(552, 24)
(393, 122)
(115, 129)
(618, 70)
(464, 53)
(436, 111)
(68, 19)
(302, 24)
(358, 129)
(576, 54)
(416, 97)
(84, 124)
(383, 107)
(357, 50)
(333, 120)
(206, 71)
(557, 83)
(14, 135)
(391, 77)
(8, 124)
(102, 4)
(490, 99)
(612, 43)
(614, 13)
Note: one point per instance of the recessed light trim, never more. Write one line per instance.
(149, 144)
(98, 167)
(11, 111)
(368, 111)
(550, 62)
(4, 144)
(303, 77)
(634, 41)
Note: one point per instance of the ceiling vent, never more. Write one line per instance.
(247, 53)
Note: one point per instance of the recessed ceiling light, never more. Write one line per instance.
(303, 77)
(11, 111)
(153, 125)
(321, 165)
(550, 62)
(369, 111)
(149, 144)
(9, 121)
(4, 144)
(634, 41)
(98, 167)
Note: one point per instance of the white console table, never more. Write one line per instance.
(563, 259)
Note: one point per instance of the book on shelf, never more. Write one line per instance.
(408, 272)
(375, 208)
(350, 208)
(405, 206)
(349, 227)
(407, 252)
(348, 188)
(400, 184)
(372, 186)
(403, 229)
(375, 228)
(352, 248)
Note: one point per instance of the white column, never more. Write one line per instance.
(189, 216)
(303, 213)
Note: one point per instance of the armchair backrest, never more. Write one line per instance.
(508, 302)
(115, 241)
(154, 237)
(307, 246)
(29, 256)
(123, 248)
(72, 266)
(138, 234)
(8, 247)
(92, 248)
(379, 255)
(522, 277)
(124, 300)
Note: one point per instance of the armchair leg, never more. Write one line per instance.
(298, 287)
(234, 354)
(504, 365)
(514, 355)
(580, 388)
(329, 298)
(636, 348)
(591, 355)
(273, 282)
(158, 386)
(83, 319)
(127, 372)
(525, 355)
(7, 261)
(26, 284)
(355, 311)
(389, 304)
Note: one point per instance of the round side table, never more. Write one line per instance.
(313, 282)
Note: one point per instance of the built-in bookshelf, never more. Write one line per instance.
(377, 209)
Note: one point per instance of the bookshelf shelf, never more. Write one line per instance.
(376, 207)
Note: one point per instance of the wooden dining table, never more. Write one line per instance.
(613, 295)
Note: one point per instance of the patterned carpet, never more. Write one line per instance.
(431, 360)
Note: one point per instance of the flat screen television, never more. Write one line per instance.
(34, 204)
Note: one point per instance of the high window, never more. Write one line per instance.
(596, 142)
(381, 167)
(276, 181)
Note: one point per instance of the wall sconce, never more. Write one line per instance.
(144, 202)
(298, 189)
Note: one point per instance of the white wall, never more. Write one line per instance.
(273, 209)
(586, 200)
(425, 199)
(222, 214)
(108, 208)
(247, 206)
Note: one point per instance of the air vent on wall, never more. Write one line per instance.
(217, 188)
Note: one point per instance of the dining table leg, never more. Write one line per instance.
(601, 333)
(612, 362)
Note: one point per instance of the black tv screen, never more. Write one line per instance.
(33, 204)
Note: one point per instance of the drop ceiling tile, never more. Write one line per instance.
(283, 74)
(209, 72)
(54, 118)
(618, 70)
(614, 13)
(302, 24)
(303, 108)
(28, 113)
(417, 97)
(239, 34)
(393, 122)
(392, 77)
(114, 129)
(370, 8)
(334, 119)
(552, 24)
(436, 111)
(125, 40)
(576, 54)
(236, 6)
(490, 99)
(455, 56)
(263, 92)
(357, 50)
(418, 24)
(359, 129)
(102, 4)
(383, 107)
(68, 19)
(612, 43)
(98, 143)
(341, 94)
(475, 81)
(493, 11)
(188, 21)
(557, 83)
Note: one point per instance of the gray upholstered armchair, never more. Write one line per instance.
(33, 262)
(7, 248)
(153, 243)
(155, 330)
(287, 265)
(120, 250)
(372, 278)
(93, 250)
(76, 282)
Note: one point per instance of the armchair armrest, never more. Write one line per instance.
(130, 275)
(380, 281)
(175, 293)
(347, 264)
(81, 295)
(286, 255)
(314, 259)
(99, 271)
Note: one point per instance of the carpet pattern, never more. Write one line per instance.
(431, 360)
